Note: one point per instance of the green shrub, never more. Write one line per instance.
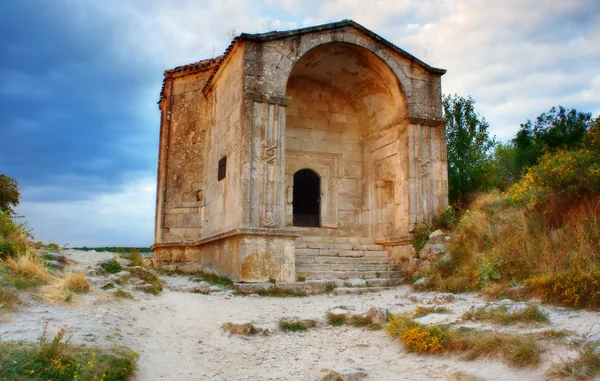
(57, 359)
(111, 267)
(420, 237)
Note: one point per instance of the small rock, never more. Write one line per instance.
(377, 315)
(437, 236)
(55, 264)
(123, 274)
(202, 288)
(57, 257)
(443, 297)
(505, 302)
(424, 281)
(144, 288)
(92, 272)
(432, 318)
(356, 282)
(431, 251)
(108, 286)
(215, 288)
(517, 308)
(339, 311)
(346, 374)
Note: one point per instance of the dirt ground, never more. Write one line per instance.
(178, 336)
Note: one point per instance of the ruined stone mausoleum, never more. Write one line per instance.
(306, 153)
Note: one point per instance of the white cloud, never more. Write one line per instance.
(123, 218)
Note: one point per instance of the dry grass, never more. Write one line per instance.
(426, 310)
(517, 350)
(245, 329)
(501, 315)
(57, 359)
(295, 325)
(75, 282)
(8, 298)
(62, 289)
(585, 367)
(498, 243)
(29, 267)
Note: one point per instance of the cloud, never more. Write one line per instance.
(124, 218)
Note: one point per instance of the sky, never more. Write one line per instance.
(79, 82)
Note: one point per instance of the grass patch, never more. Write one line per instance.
(57, 359)
(336, 320)
(245, 329)
(28, 267)
(214, 279)
(148, 277)
(501, 315)
(8, 298)
(421, 311)
(281, 293)
(296, 325)
(517, 350)
(134, 257)
(585, 367)
(111, 267)
(120, 293)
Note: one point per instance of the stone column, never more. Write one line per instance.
(267, 177)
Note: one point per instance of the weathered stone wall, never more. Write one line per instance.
(222, 209)
(184, 125)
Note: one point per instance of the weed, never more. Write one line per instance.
(422, 311)
(518, 350)
(111, 267)
(584, 367)
(282, 293)
(27, 271)
(296, 325)
(213, 279)
(301, 279)
(57, 359)
(149, 277)
(120, 293)
(446, 219)
(68, 298)
(75, 282)
(242, 329)
(420, 237)
(8, 298)
(336, 319)
(134, 257)
(501, 315)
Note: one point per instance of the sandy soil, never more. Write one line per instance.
(178, 335)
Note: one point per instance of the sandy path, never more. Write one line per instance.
(178, 335)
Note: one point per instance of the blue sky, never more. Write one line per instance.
(79, 81)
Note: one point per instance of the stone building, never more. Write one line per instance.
(305, 153)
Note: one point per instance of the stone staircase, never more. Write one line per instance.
(344, 258)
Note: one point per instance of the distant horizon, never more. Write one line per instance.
(79, 84)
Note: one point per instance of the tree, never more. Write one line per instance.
(9, 194)
(470, 167)
(557, 129)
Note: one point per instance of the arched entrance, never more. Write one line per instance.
(307, 198)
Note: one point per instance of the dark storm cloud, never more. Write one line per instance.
(68, 103)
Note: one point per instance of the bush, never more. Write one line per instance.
(111, 267)
(57, 359)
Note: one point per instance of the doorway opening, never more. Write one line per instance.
(307, 198)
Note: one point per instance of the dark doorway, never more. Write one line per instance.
(307, 198)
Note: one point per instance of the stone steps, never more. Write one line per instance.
(342, 274)
(341, 253)
(343, 257)
(310, 259)
(378, 267)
